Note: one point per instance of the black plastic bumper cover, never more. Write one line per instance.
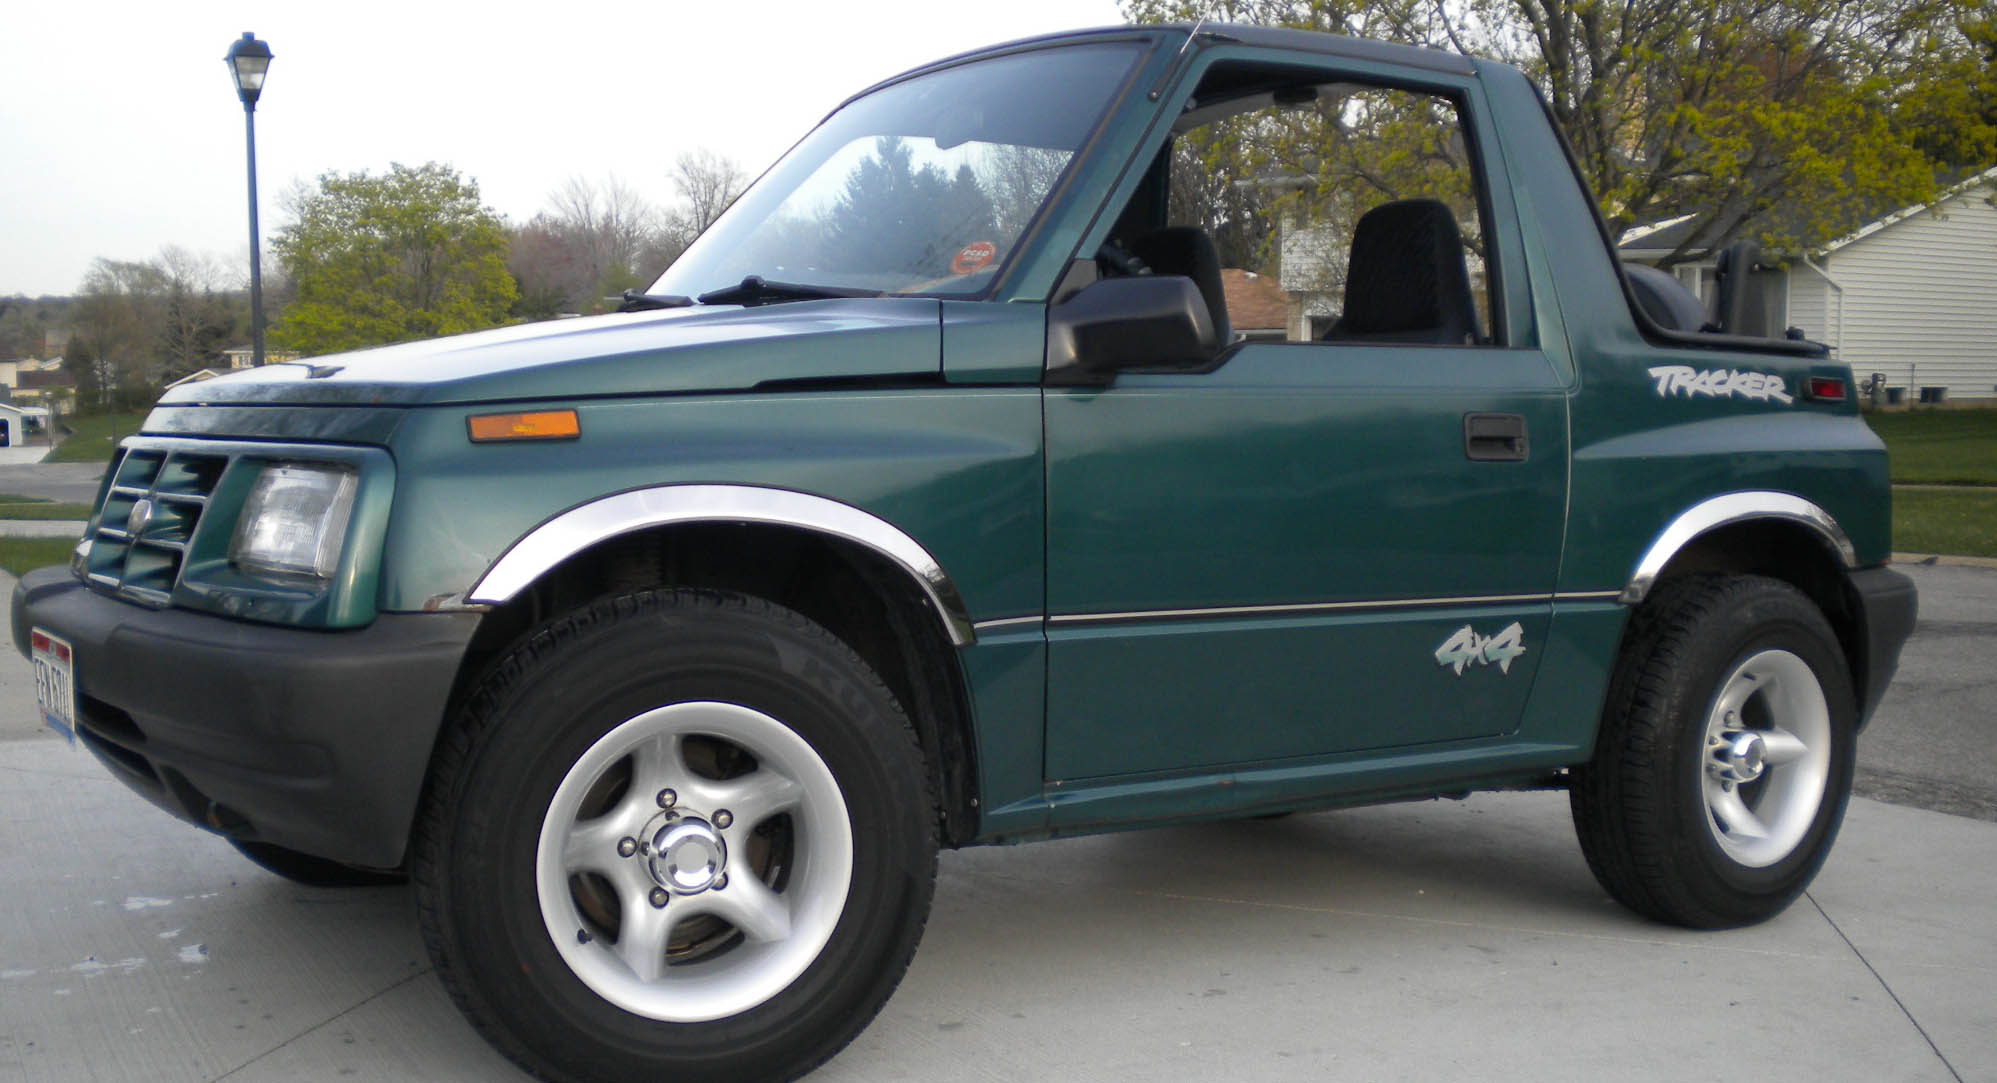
(315, 741)
(1887, 605)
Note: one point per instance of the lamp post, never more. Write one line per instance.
(248, 60)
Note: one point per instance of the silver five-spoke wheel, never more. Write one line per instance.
(694, 861)
(676, 834)
(1768, 757)
(1725, 755)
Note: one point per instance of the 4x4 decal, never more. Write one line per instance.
(1466, 646)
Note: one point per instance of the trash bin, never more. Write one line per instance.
(1895, 396)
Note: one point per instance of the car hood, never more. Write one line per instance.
(708, 348)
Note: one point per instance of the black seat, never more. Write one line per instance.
(1187, 250)
(1406, 281)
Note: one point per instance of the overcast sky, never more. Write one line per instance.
(120, 132)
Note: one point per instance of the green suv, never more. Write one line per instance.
(1105, 430)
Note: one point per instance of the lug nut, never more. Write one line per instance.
(723, 817)
(659, 898)
(583, 937)
(626, 847)
(667, 798)
(721, 881)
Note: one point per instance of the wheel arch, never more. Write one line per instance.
(1779, 535)
(858, 576)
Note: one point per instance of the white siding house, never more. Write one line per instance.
(1912, 296)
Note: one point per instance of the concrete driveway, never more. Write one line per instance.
(1419, 941)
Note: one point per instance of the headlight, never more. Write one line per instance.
(295, 520)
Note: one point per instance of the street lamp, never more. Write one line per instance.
(248, 60)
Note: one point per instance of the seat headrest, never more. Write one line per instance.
(1406, 280)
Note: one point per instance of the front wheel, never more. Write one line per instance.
(679, 834)
(1725, 756)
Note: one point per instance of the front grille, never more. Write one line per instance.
(142, 560)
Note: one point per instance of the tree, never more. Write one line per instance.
(153, 321)
(591, 243)
(96, 377)
(553, 269)
(894, 217)
(23, 333)
(1793, 120)
(377, 259)
(707, 184)
(196, 315)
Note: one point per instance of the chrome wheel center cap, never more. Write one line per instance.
(1747, 757)
(688, 855)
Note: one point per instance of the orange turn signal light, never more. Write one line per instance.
(538, 425)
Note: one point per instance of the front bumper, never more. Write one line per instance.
(314, 741)
(1887, 605)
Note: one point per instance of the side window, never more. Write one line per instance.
(1335, 211)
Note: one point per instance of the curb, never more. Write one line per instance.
(1931, 559)
(42, 528)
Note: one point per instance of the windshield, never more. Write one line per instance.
(921, 187)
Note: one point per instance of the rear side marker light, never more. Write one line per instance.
(1824, 387)
(539, 425)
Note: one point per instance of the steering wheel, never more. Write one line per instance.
(1114, 260)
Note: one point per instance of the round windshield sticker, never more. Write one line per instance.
(973, 256)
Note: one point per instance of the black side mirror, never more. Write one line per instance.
(1144, 322)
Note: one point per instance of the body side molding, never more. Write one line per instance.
(581, 527)
(1726, 510)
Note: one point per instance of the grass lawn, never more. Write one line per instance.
(1939, 447)
(42, 509)
(95, 437)
(1959, 522)
(23, 555)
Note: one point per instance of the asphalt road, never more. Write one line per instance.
(1933, 743)
(72, 483)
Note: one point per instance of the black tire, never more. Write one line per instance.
(314, 871)
(544, 716)
(1678, 817)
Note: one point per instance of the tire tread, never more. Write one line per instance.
(459, 747)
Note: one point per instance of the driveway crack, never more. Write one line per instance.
(1876, 976)
(334, 1018)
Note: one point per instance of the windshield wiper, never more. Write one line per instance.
(757, 290)
(642, 302)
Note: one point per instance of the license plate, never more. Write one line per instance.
(55, 682)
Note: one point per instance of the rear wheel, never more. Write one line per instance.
(1725, 756)
(679, 833)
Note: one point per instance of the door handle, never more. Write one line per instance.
(1494, 438)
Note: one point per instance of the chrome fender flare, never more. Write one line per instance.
(580, 527)
(1726, 510)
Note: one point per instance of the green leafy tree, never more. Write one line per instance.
(377, 259)
(1792, 121)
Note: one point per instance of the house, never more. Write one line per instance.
(243, 357)
(21, 424)
(1911, 296)
(1257, 307)
(34, 380)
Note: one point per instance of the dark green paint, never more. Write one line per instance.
(1287, 475)
(958, 470)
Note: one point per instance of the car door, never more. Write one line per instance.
(1344, 535)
